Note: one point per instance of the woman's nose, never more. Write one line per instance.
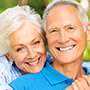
(31, 52)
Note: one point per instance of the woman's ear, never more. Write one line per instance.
(88, 32)
(9, 56)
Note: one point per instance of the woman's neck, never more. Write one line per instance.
(72, 70)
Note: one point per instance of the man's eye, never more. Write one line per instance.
(70, 28)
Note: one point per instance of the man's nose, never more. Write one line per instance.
(64, 37)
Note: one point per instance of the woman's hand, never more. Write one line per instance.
(82, 83)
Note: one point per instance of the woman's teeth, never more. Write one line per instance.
(33, 63)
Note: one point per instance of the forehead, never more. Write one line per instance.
(63, 8)
(63, 14)
(26, 33)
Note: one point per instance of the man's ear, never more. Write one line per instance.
(88, 32)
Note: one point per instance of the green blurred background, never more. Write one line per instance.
(39, 6)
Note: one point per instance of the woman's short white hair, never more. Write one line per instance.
(80, 9)
(11, 19)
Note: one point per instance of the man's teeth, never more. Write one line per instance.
(65, 49)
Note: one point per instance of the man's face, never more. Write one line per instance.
(65, 35)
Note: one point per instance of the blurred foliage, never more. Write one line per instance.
(87, 52)
(22, 2)
(78, 0)
(39, 6)
(88, 15)
(6, 4)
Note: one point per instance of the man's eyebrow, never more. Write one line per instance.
(57, 28)
(67, 26)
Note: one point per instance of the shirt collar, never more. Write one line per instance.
(54, 76)
(87, 70)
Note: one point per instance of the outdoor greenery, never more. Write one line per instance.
(39, 6)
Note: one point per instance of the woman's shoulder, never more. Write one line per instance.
(3, 59)
(4, 63)
(26, 80)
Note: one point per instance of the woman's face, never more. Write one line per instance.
(27, 48)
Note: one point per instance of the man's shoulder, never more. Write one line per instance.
(86, 66)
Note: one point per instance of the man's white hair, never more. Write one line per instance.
(80, 9)
(11, 19)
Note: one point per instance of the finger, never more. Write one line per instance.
(87, 78)
(84, 85)
(77, 85)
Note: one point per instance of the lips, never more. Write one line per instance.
(62, 49)
(34, 62)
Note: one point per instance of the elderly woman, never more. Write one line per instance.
(67, 35)
(22, 46)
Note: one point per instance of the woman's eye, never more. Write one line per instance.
(37, 42)
(54, 30)
(20, 49)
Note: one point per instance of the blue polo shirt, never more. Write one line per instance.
(47, 79)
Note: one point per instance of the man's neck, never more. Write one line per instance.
(72, 70)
